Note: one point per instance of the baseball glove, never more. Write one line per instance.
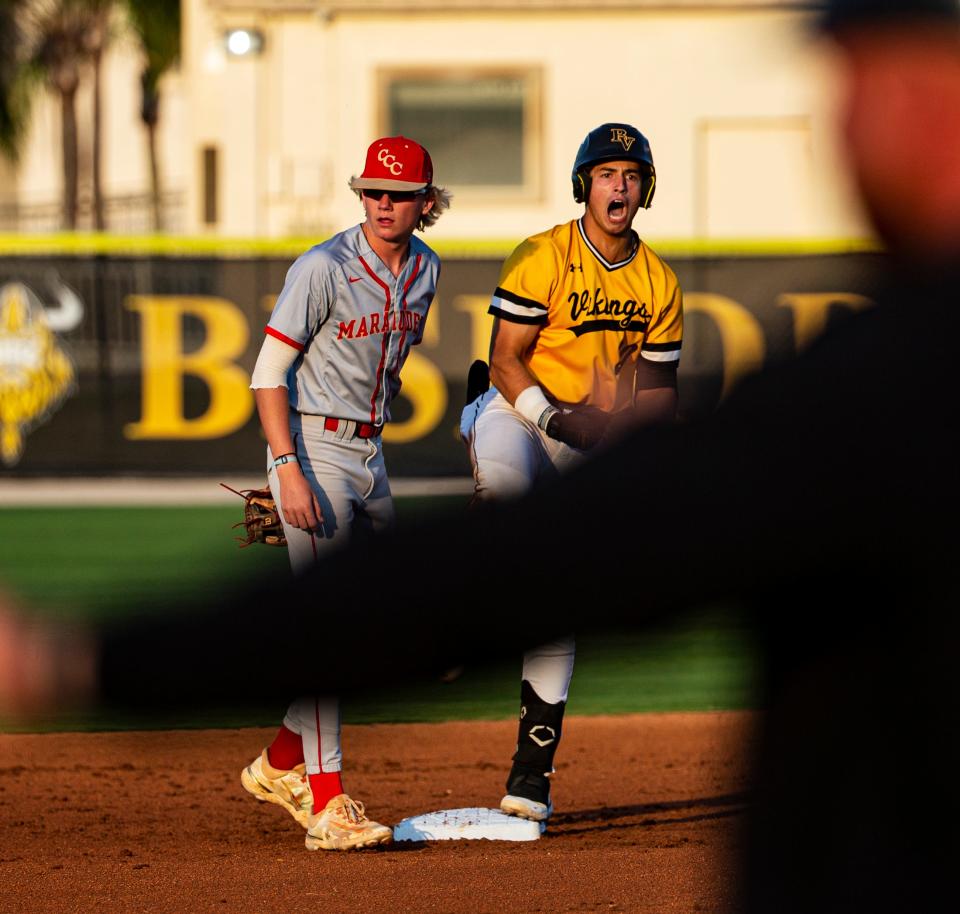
(581, 427)
(478, 380)
(261, 519)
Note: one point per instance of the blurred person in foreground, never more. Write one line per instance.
(857, 791)
(823, 495)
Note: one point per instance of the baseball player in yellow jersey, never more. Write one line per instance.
(587, 334)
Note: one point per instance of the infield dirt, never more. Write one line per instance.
(649, 809)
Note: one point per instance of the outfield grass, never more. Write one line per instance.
(704, 662)
(104, 562)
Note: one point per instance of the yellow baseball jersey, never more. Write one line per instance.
(596, 318)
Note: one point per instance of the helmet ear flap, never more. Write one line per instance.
(581, 188)
(647, 188)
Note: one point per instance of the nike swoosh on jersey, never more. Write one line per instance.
(354, 278)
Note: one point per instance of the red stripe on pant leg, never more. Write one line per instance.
(327, 784)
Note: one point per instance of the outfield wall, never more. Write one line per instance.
(139, 362)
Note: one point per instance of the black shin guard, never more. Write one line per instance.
(537, 739)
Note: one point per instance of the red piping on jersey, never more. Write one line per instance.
(283, 339)
(386, 337)
(403, 307)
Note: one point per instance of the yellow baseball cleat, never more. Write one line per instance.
(289, 789)
(343, 825)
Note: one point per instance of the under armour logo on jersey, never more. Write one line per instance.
(547, 735)
(619, 135)
(574, 267)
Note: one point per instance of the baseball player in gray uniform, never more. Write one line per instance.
(328, 369)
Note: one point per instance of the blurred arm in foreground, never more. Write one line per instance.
(43, 665)
(840, 464)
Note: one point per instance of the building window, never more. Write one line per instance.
(482, 128)
(210, 185)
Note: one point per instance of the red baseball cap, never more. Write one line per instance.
(395, 163)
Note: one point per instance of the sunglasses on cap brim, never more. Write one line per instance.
(396, 196)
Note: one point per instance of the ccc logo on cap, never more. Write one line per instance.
(390, 162)
(619, 135)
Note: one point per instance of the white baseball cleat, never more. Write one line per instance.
(343, 826)
(526, 809)
(289, 789)
(528, 794)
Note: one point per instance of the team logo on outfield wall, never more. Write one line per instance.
(36, 373)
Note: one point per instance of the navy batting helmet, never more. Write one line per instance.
(610, 143)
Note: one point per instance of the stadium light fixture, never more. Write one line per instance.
(243, 42)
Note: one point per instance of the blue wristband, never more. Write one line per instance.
(286, 458)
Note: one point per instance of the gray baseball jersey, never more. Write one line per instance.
(353, 323)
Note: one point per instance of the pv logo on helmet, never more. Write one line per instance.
(36, 374)
(619, 135)
(389, 161)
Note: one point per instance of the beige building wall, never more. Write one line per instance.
(736, 99)
(38, 172)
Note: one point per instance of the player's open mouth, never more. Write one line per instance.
(617, 209)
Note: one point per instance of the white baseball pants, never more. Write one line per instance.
(349, 478)
(510, 455)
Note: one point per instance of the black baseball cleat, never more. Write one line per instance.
(478, 380)
(528, 794)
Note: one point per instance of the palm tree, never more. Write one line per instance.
(49, 42)
(46, 43)
(96, 39)
(157, 25)
(14, 107)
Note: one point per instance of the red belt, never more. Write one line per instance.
(361, 429)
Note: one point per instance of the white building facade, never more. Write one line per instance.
(736, 99)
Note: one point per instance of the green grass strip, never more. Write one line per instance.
(82, 562)
(704, 662)
(74, 562)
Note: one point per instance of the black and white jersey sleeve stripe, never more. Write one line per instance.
(661, 352)
(512, 307)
